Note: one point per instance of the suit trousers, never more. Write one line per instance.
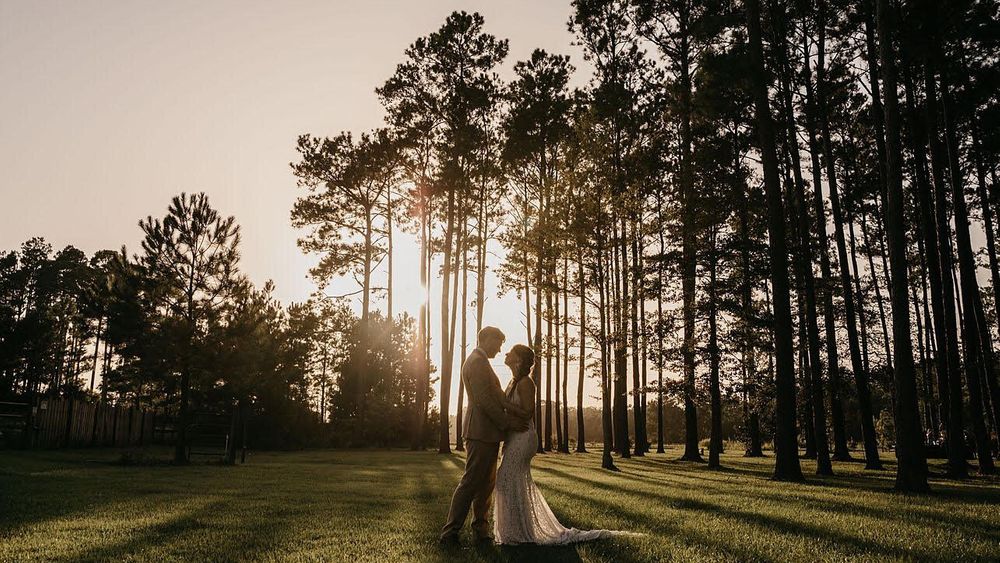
(475, 490)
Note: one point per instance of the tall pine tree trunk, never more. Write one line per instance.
(362, 361)
(805, 274)
(922, 354)
(911, 471)
(97, 349)
(932, 355)
(808, 420)
(987, 213)
(420, 364)
(557, 353)
(459, 441)
(929, 235)
(689, 258)
(620, 340)
(637, 413)
(786, 459)
(444, 436)
(751, 418)
(659, 326)
(600, 278)
(840, 450)
(389, 253)
(715, 441)
(565, 382)
(957, 465)
(581, 433)
(976, 360)
(536, 371)
(644, 354)
(861, 376)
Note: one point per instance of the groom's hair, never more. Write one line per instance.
(491, 332)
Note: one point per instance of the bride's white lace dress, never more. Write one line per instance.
(521, 514)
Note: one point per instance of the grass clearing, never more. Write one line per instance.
(354, 506)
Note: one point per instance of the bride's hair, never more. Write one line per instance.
(527, 357)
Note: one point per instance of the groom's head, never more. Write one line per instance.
(490, 340)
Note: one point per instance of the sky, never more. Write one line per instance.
(109, 108)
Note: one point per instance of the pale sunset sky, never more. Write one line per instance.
(111, 107)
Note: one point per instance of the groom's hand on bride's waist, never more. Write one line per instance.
(516, 424)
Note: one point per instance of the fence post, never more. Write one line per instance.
(29, 423)
(114, 426)
(128, 429)
(69, 423)
(93, 426)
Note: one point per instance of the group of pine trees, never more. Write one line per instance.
(178, 329)
(775, 201)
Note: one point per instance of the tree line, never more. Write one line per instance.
(774, 200)
(178, 328)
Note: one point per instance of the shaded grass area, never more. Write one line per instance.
(389, 506)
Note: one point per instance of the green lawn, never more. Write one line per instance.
(389, 505)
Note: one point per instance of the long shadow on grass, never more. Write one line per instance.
(32, 497)
(230, 527)
(810, 499)
(814, 496)
(976, 489)
(784, 525)
(971, 490)
(228, 543)
(663, 528)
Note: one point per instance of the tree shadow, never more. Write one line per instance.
(213, 513)
(27, 490)
(300, 505)
(879, 481)
(806, 496)
(664, 528)
(855, 546)
(170, 533)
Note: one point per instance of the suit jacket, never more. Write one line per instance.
(487, 420)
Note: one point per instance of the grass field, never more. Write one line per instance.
(389, 506)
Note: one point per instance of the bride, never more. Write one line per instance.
(521, 514)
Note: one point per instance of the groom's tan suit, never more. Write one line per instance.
(484, 429)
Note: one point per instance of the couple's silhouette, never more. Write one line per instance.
(521, 516)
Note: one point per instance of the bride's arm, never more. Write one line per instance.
(517, 411)
(526, 395)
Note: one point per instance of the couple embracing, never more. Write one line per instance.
(521, 515)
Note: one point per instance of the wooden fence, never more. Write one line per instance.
(70, 423)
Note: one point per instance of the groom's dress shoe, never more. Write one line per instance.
(449, 541)
(484, 539)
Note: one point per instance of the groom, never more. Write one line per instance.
(485, 426)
